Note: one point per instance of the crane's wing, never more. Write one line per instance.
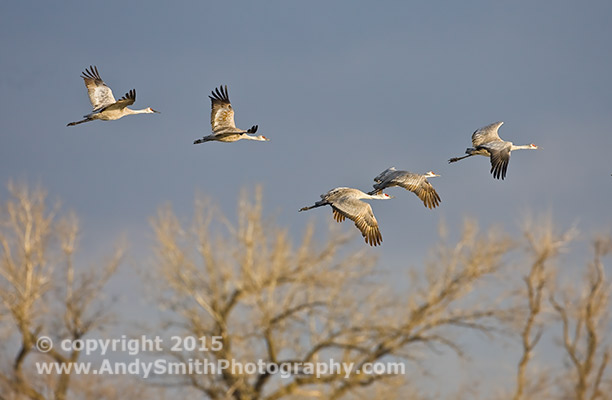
(100, 95)
(486, 134)
(419, 185)
(427, 194)
(384, 175)
(500, 156)
(222, 113)
(360, 213)
(338, 216)
(128, 99)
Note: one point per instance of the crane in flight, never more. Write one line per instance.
(346, 203)
(416, 183)
(222, 121)
(486, 142)
(105, 107)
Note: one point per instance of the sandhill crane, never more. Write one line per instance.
(416, 183)
(105, 107)
(487, 142)
(222, 121)
(346, 203)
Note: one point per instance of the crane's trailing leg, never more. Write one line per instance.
(455, 159)
(469, 152)
(79, 122)
(204, 139)
(317, 204)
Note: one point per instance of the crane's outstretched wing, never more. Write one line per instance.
(500, 156)
(100, 95)
(486, 134)
(222, 113)
(128, 99)
(360, 213)
(419, 185)
(388, 173)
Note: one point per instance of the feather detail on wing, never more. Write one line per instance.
(128, 99)
(100, 95)
(426, 193)
(338, 216)
(383, 175)
(221, 114)
(363, 217)
(486, 134)
(500, 157)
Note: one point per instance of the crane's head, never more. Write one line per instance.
(533, 146)
(152, 111)
(262, 138)
(382, 196)
(430, 174)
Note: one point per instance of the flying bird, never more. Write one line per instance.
(416, 183)
(222, 121)
(487, 142)
(105, 107)
(346, 203)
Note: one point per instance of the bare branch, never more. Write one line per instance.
(31, 279)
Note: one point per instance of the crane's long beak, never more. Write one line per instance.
(155, 111)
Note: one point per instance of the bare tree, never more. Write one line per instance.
(543, 245)
(242, 294)
(287, 305)
(584, 323)
(42, 294)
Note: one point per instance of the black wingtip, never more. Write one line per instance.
(220, 94)
(253, 129)
(91, 73)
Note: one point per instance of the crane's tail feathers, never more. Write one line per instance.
(79, 122)
(253, 129)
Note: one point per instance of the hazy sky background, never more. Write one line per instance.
(342, 89)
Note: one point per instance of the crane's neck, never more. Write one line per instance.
(132, 112)
(522, 147)
(258, 138)
(376, 196)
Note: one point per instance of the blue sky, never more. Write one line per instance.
(342, 89)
